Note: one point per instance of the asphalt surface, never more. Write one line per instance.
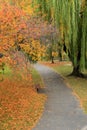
(62, 109)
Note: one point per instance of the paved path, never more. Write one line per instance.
(62, 109)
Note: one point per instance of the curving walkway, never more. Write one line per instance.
(62, 109)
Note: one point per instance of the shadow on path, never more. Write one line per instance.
(62, 109)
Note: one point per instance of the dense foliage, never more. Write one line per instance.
(22, 20)
(70, 17)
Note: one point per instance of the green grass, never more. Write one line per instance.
(37, 78)
(78, 85)
(63, 70)
(7, 72)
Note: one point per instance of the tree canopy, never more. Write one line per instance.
(22, 20)
(70, 17)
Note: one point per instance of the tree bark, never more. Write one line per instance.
(76, 72)
(52, 60)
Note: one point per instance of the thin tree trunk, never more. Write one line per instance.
(52, 60)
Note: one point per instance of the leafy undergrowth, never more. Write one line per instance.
(56, 63)
(78, 85)
(20, 105)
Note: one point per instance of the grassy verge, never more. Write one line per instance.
(37, 78)
(20, 105)
(78, 85)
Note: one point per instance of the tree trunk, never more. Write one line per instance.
(52, 60)
(76, 72)
(60, 55)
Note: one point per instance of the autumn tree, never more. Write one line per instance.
(34, 50)
(12, 26)
(18, 28)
